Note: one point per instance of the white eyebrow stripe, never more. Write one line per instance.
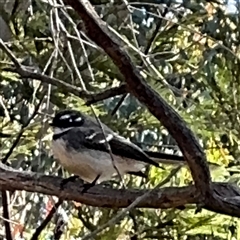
(66, 116)
(79, 119)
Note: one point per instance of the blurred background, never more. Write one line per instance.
(188, 51)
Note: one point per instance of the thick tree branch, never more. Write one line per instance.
(97, 30)
(99, 196)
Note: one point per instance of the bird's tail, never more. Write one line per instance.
(165, 158)
(174, 159)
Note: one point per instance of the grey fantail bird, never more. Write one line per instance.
(82, 148)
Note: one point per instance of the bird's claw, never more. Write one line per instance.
(87, 186)
(67, 180)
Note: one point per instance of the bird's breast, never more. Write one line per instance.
(88, 164)
(77, 163)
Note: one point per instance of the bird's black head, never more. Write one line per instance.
(68, 118)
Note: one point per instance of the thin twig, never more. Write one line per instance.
(59, 228)
(29, 72)
(112, 92)
(147, 49)
(120, 215)
(87, 223)
(6, 216)
(46, 220)
(55, 33)
(15, 143)
(4, 160)
(119, 104)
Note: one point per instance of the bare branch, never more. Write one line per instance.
(59, 228)
(97, 30)
(49, 217)
(146, 51)
(29, 72)
(119, 104)
(18, 138)
(10, 54)
(107, 94)
(11, 179)
(6, 216)
(99, 196)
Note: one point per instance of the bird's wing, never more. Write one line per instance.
(96, 140)
(165, 157)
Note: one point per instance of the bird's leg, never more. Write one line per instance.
(67, 180)
(87, 186)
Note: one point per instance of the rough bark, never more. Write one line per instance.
(100, 196)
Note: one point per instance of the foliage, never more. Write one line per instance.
(188, 51)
